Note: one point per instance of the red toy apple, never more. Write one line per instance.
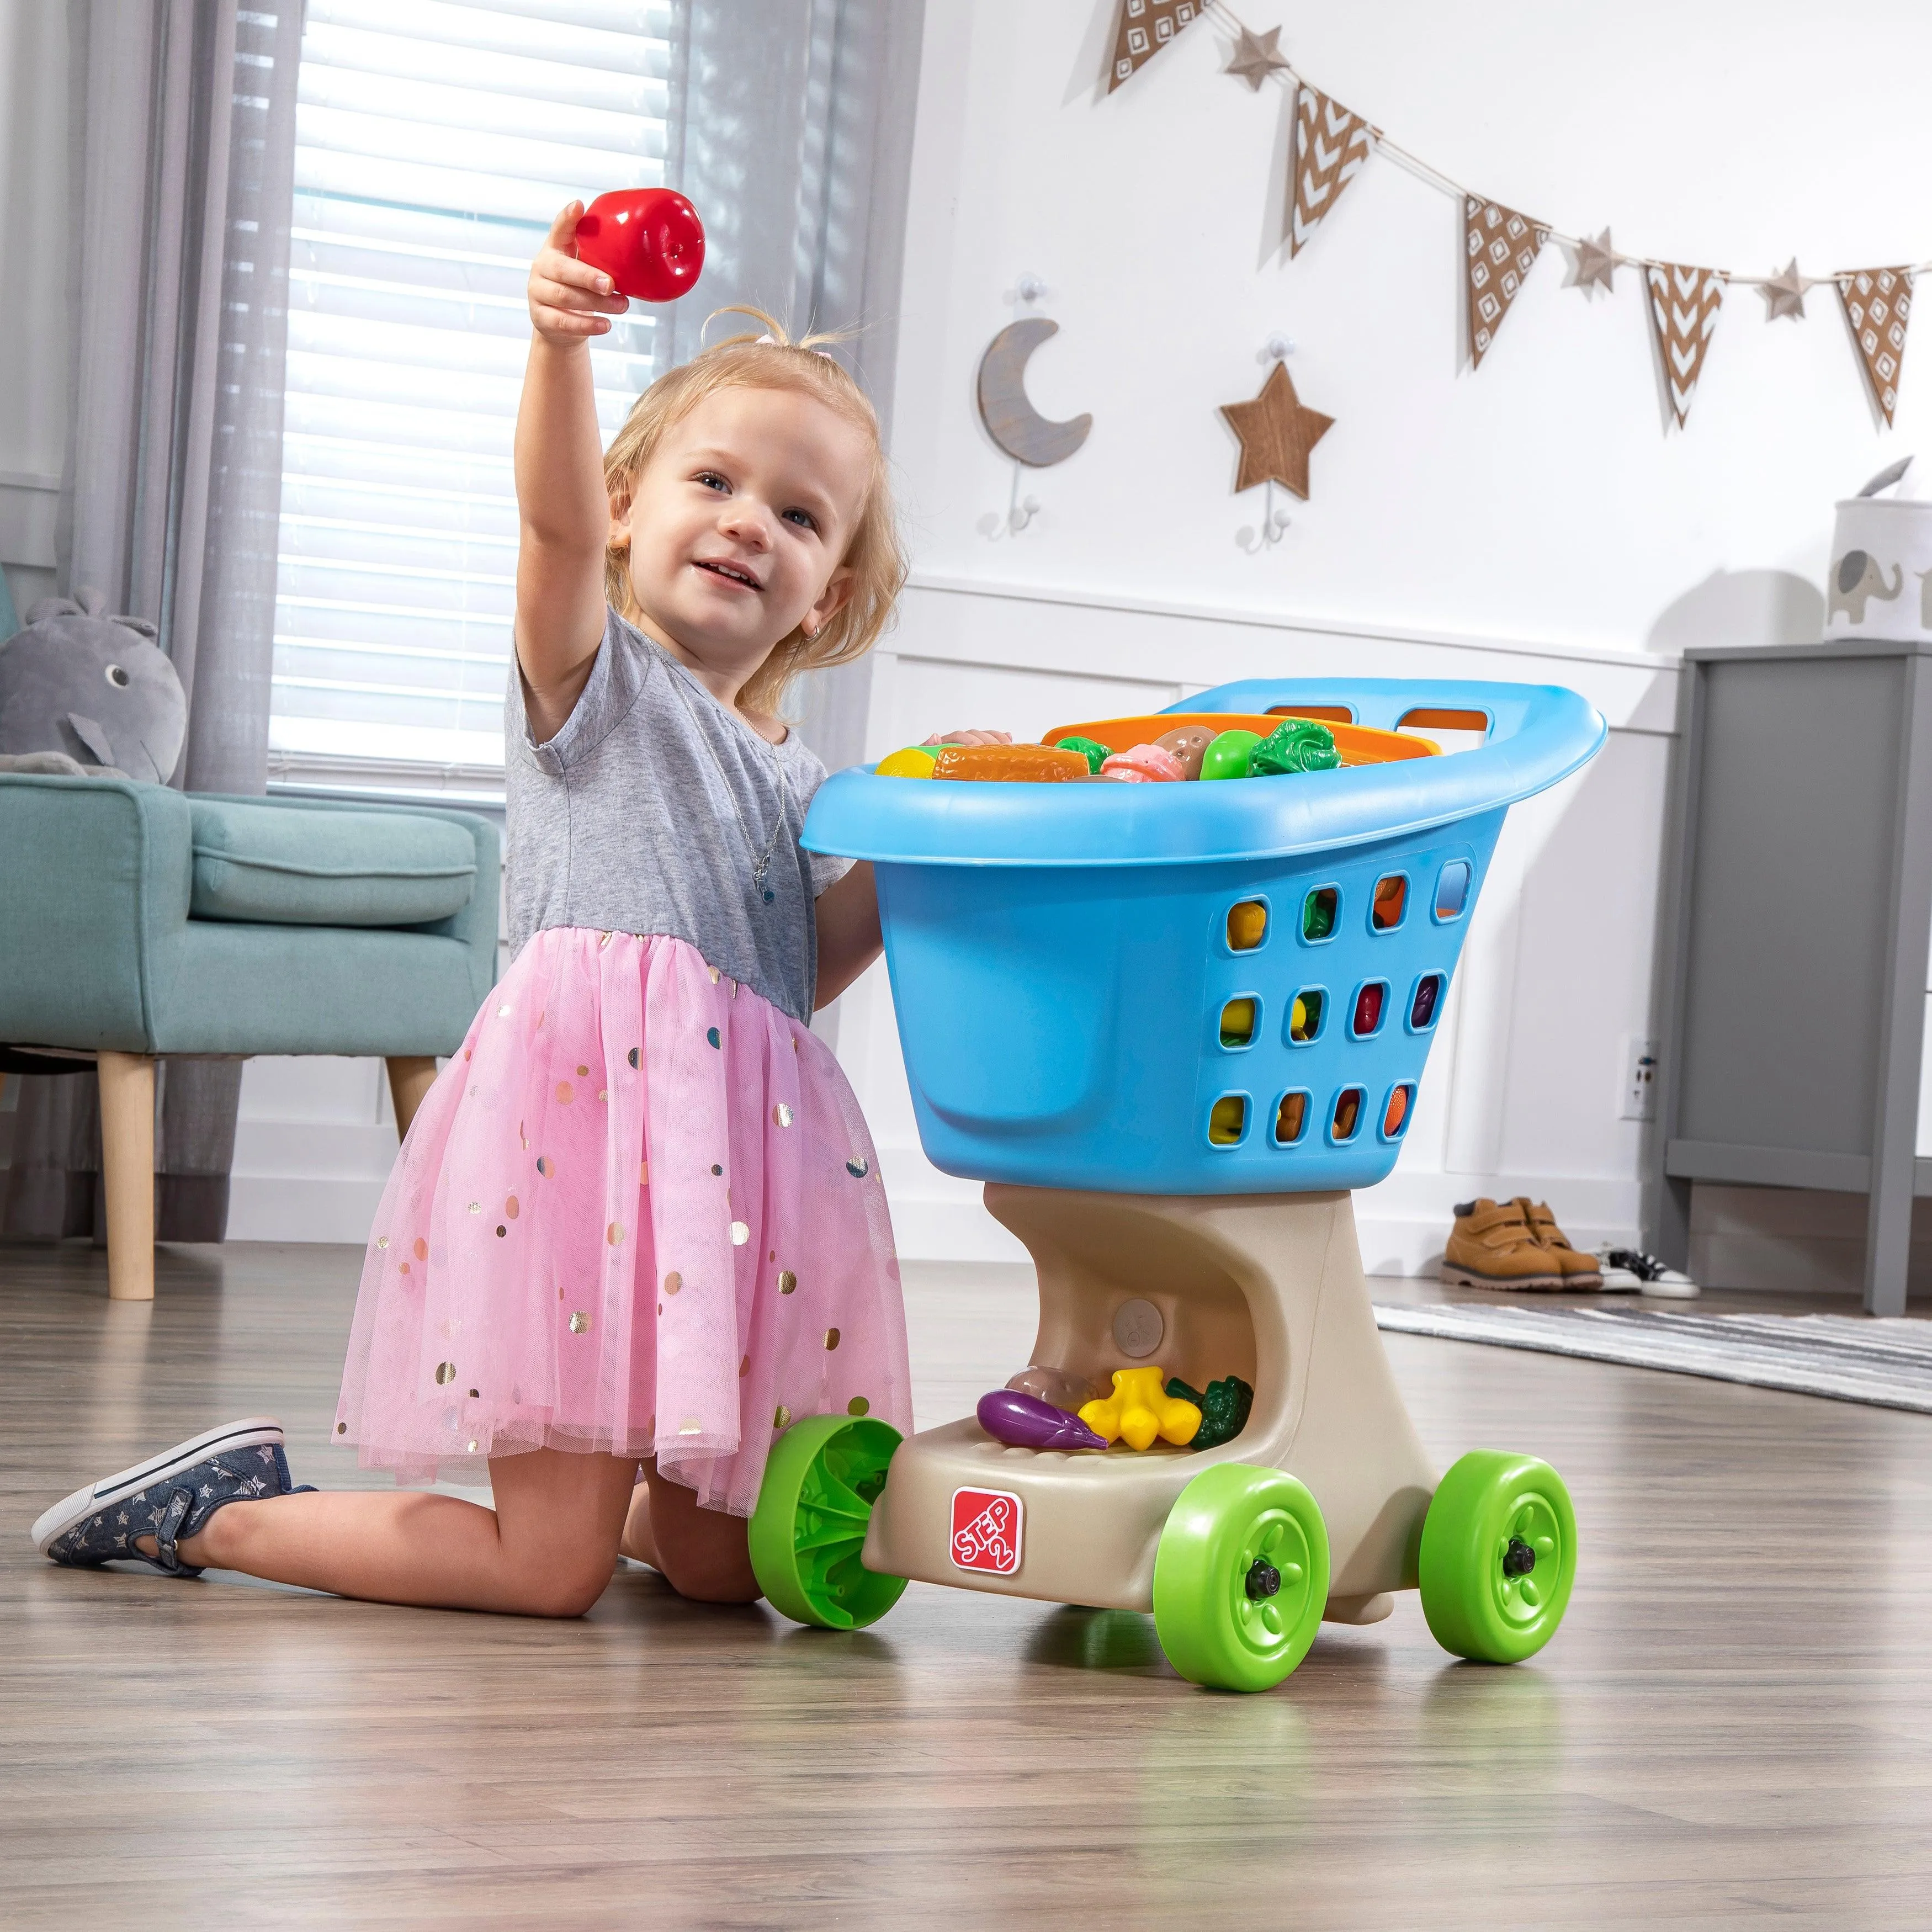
(648, 241)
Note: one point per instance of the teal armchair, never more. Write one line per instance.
(137, 921)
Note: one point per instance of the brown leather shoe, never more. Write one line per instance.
(1579, 1271)
(1491, 1245)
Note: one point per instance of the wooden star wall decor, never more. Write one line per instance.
(1277, 433)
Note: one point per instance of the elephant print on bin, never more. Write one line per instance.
(1858, 577)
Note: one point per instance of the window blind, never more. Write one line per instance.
(436, 139)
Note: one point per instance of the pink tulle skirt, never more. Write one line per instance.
(638, 1213)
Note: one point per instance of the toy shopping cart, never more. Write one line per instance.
(1171, 1027)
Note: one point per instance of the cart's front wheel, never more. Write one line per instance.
(823, 1476)
(1240, 1577)
(1499, 1556)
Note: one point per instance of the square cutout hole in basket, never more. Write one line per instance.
(1306, 1016)
(1426, 1004)
(1240, 1018)
(1347, 1120)
(1319, 911)
(1228, 1120)
(1452, 890)
(1247, 925)
(1371, 1004)
(1391, 901)
(1290, 1119)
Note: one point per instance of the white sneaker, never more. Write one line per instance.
(1628, 1271)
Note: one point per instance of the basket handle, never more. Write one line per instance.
(1447, 704)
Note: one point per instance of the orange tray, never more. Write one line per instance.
(1358, 744)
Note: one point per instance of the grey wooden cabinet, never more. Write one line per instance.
(1798, 906)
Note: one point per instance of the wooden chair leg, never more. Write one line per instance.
(409, 1079)
(127, 1164)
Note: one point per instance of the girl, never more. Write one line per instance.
(638, 1220)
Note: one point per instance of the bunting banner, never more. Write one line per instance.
(1500, 246)
(1146, 28)
(1878, 305)
(1330, 146)
(1684, 305)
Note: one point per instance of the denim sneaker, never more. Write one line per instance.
(169, 1497)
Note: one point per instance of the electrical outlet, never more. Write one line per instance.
(1640, 1087)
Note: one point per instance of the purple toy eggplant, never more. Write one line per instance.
(1025, 1422)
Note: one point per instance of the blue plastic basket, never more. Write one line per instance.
(1062, 965)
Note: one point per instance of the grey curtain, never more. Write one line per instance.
(791, 128)
(182, 154)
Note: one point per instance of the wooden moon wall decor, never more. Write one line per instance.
(1011, 421)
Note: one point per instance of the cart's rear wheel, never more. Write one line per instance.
(1498, 1557)
(1240, 1577)
(823, 1476)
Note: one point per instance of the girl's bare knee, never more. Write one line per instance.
(566, 1590)
(711, 1574)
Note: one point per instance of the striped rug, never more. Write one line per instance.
(1850, 1358)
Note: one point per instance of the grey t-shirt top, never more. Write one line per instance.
(651, 811)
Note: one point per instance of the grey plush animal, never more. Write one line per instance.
(84, 693)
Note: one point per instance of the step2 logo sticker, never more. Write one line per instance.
(986, 1525)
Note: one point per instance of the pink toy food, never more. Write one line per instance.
(1024, 1422)
(1150, 762)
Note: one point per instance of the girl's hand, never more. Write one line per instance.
(569, 299)
(971, 738)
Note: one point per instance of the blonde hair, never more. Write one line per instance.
(875, 555)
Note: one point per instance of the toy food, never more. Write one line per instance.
(1060, 1386)
(1369, 1007)
(1224, 1409)
(915, 761)
(1297, 744)
(1024, 1421)
(1238, 1022)
(648, 241)
(1227, 755)
(1091, 749)
(1150, 761)
(1140, 1410)
(1247, 925)
(1188, 742)
(1318, 912)
(1025, 764)
(1423, 1009)
(1396, 1112)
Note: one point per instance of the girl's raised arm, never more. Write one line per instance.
(563, 515)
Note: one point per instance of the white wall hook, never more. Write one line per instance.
(1273, 528)
(1022, 513)
(1030, 288)
(1278, 348)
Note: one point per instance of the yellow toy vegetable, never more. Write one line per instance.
(1140, 1409)
(914, 762)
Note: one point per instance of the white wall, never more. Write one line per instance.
(33, 283)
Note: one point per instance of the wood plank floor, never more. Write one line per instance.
(1735, 1724)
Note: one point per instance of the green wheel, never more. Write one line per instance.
(1240, 1577)
(1498, 1557)
(823, 1476)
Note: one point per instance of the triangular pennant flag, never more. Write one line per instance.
(1502, 246)
(1878, 305)
(1146, 27)
(1331, 145)
(1683, 304)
